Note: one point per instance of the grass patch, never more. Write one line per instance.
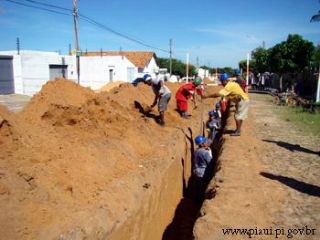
(304, 120)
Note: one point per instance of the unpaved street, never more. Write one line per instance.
(293, 162)
(268, 184)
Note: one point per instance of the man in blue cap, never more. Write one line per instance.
(235, 93)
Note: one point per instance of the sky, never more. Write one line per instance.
(216, 33)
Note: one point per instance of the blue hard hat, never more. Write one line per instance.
(237, 72)
(218, 105)
(147, 77)
(200, 140)
(213, 113)
(224, 77)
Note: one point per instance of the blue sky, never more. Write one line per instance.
(218, 33)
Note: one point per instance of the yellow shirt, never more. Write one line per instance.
(233, 89)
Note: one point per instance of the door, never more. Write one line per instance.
(111, 75)
(130, 74)
(58, 71)
(6, 75)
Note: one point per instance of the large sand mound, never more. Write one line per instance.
(75, 158)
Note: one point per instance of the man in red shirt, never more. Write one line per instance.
(184, 93)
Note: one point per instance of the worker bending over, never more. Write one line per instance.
(162, 95)
(235, 93)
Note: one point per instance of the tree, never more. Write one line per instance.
(211, 70)
(261, 58)
(178, 67)
(292, 55)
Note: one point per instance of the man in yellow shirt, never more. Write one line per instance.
(233, 91)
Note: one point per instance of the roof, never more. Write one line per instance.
(139, 58)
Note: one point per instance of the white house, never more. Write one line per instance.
(26, 72)
(144, 62)
(96, 71)
(203, 72)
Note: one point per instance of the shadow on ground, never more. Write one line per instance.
(300, 186)
(292, 147)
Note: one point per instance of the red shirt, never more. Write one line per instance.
(185, 91)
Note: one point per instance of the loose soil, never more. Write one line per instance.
(75, 164)
(269, 178)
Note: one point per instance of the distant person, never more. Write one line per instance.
(162, 95)
(235, 93)
(185, 92)
(240, 80)
(218, 109)
(202, 166)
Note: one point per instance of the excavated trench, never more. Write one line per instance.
(171, 210)
(188, 209)
(118, 182)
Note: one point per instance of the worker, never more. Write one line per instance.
(240, 80)
(202, 167)
(234, 92)
(184, 93)
(218, 109)
(213, 124)
(162, 95)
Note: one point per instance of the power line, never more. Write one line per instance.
(41, 8)
(48, 5)
(85, 18)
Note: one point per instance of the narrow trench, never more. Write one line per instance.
(188, 209)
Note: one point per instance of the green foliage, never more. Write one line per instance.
(316, 57)
(228, 70)
(211, 70)
(261, 57)
(243, 65)
(292, 55)
(178, 67)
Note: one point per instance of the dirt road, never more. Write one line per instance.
(293, 163)
(269, 181)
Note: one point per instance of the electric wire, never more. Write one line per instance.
(48, 5)
(41, 8)
(85, 18)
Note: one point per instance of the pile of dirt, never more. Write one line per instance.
(110, 86)
(56, 92)
(74, 161)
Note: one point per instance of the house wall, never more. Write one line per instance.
(203, 73)
(31, 69)
(95, 71)
(151, 67)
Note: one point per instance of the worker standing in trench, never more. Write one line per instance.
(162, 95)
(202, 166)
(184, 93)
(235, 93)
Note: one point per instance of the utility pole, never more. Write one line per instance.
(187, 68)
(75, 19)
(248, 62)
(318, 87)
(18, 46)
(170, 51)
(197, 61)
